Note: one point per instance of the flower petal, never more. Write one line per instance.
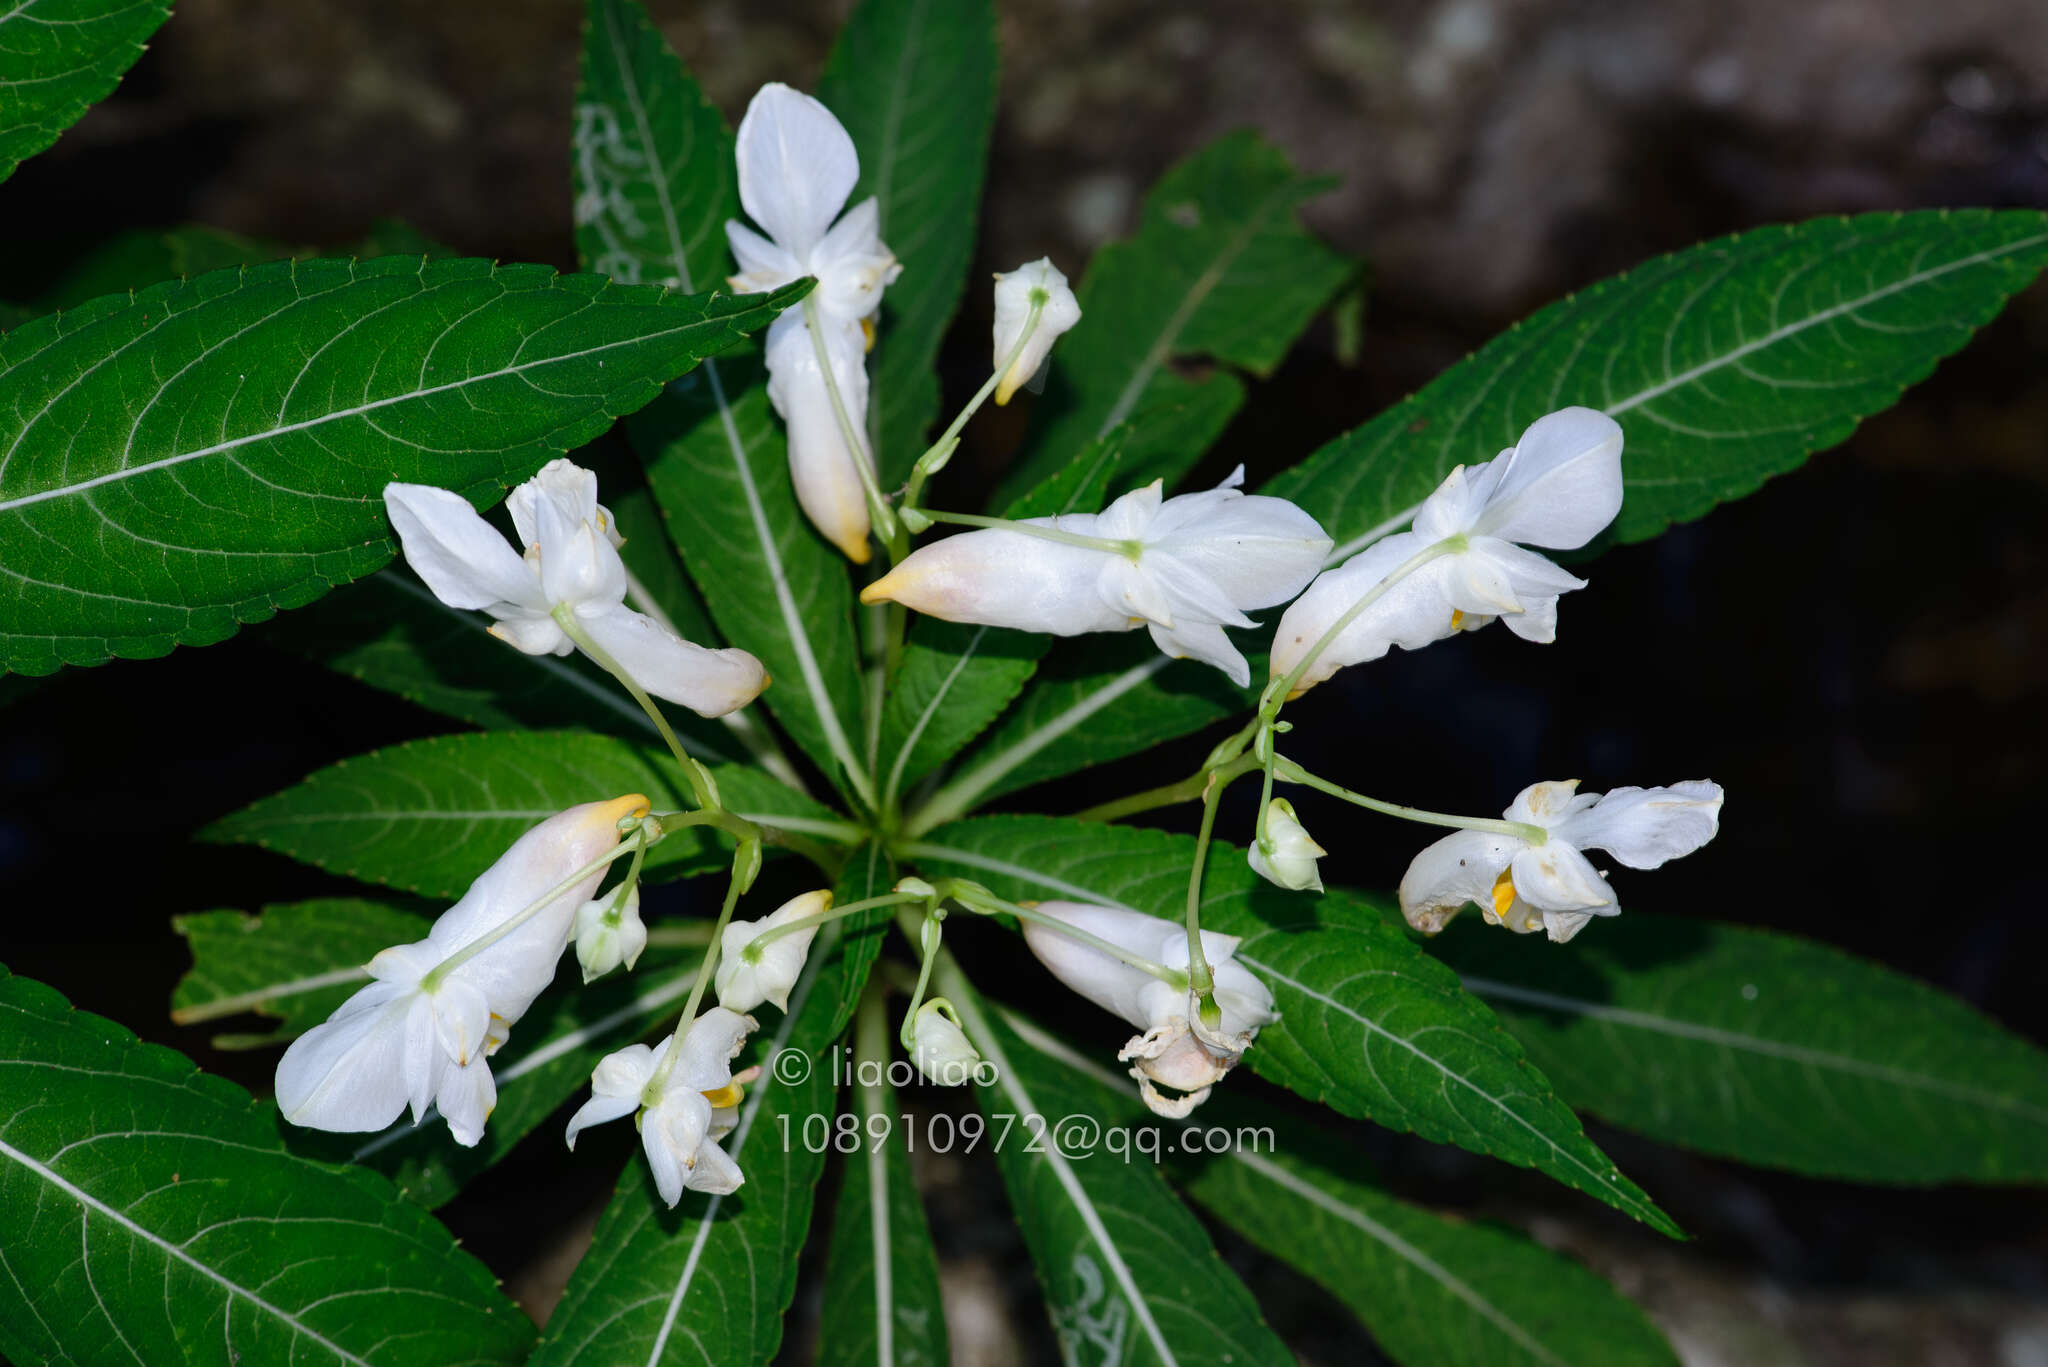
(709, 1047)
(853, 264)
(796, 167)
(578, 566)
(466, 1098)
(570, 487)
(1554, 876)
(1259, 551)
(1003, 578)
(597, 1111)
(1013, 309)
(347, 1074)
(821, 464)
(715, 1173)
(1460, 868)
(461, 557)
(1412, 612)
(709, 682)
(1643, 827)
(1206, 642)
(763, 265)
(1560, 485)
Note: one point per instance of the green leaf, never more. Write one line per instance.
(1435, 1292)
(207, 452)
(58, 58)
(1726, 363)
(654, 186)
(881, 1276)
(1221, 268)
(159, 1219)
(955, 679)
(294, 963)
(429, 816)
(1369, 1024)
(1098, 701)
(1771, 1049)
(1129, 1274)
(708, 1281)
(914, 82)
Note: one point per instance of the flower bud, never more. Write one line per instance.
(609, 932)
(1286, 854)
(1038, 282)
(744, 982)
(939, 1047)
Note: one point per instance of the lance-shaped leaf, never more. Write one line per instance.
(429, 816)
(1369, 1024)
(152, 1215)
(1093, 701)
(1435, 1292)
(57, 58)
(954, 678)
(881, 1275)
(1129, 1274)
(915, 85)
(1725, 364)
(655, 184)
(1771, 1049)
(708, 1281)
(1220, 268)
(206, 452)
(294, 963)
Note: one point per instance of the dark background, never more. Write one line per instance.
(1858, 651)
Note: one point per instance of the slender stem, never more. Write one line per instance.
(985, 902)
(1130, 550)
(1398, 573)
(700, 782)
(927, 937)
(1166, 795)
(651, 1094)
(878, 507)
(751, 950)
(436, 975)
(921, 471)
(1201, 980)
(1265, 783)
(1290, 772)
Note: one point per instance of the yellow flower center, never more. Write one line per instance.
(867, 330)
(1503, 894)
(1457, 619)
(728, 1095)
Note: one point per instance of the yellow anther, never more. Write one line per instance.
(867, 330)
(1457, 619)
(729, 1095)
(1503, 894)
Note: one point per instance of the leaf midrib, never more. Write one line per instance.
(1772, 338)
(1756, 1044)
(337, 415)
(90, 1203)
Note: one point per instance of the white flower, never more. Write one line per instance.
(1552, 886)
(744, 984)
(572, 563)
(1176, 1051)
(609, 932)
(796, 168)
(1291, 860)
(1555, 488)
(1191, 565)
(939, 1047)
(1058, 312)
(399, 1041)
(698, 1105)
